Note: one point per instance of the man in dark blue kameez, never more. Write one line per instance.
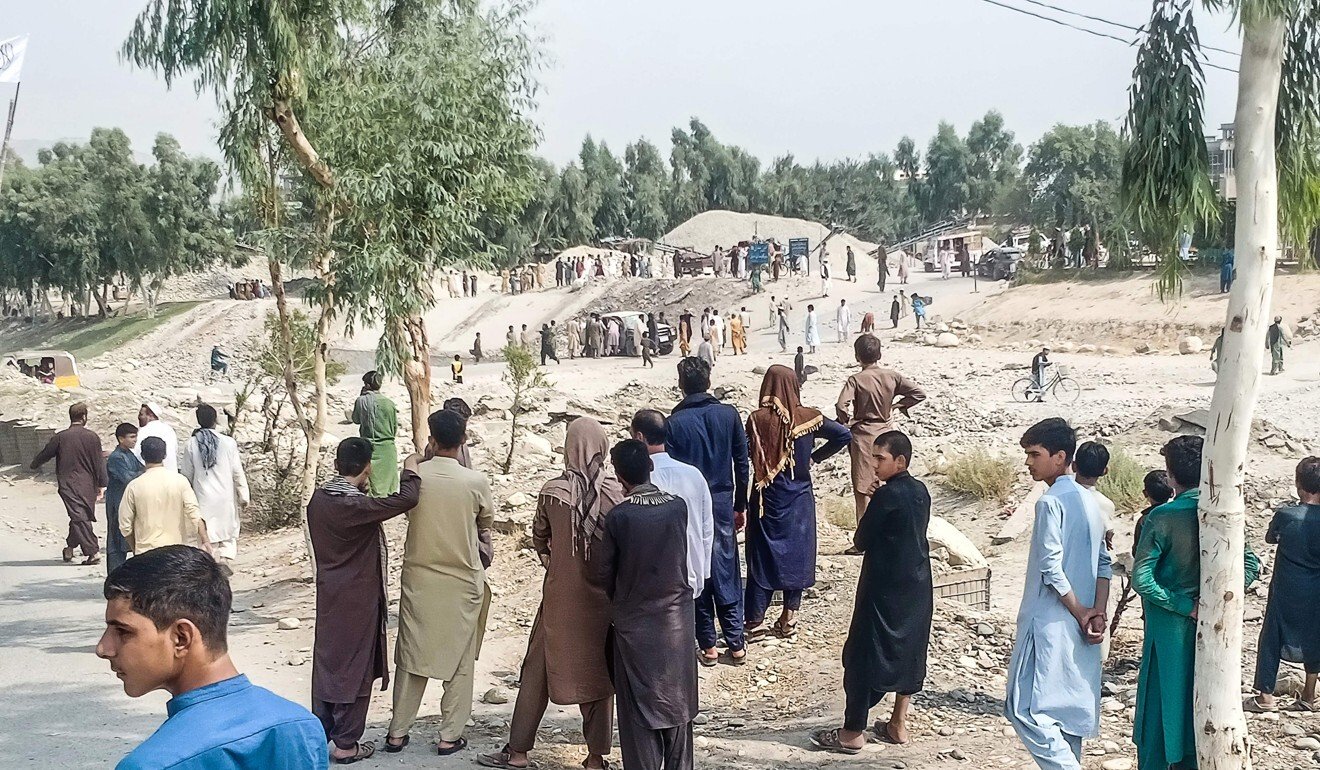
(709, 435)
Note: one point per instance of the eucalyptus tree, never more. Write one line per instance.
(426, 129)
(1167, 188)
(255, 58)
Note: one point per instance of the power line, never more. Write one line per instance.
(1119, 25)
(1088, 31)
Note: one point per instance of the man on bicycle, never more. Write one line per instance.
(1038, 366)
(219, 362)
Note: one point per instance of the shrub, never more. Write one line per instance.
(979, 473)
(1124, 482)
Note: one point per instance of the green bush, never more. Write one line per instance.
(1124, 482)
(979, 473)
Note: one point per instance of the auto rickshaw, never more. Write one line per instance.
(53, 367)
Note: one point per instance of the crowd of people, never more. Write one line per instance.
(155, 492)
(644, 580)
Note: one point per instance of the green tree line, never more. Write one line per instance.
(89, 216)
(1067, 180)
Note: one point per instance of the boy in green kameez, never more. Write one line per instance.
(378, 422)
(1167, 576)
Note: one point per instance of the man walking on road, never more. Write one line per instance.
(159, 507)
(80, 476)
(121, 467)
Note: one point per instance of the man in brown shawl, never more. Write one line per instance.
(642, 565)
(566, 654)
(80, 476)
(866, 405)
(349, 653)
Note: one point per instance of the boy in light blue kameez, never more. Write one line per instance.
(1053, 698)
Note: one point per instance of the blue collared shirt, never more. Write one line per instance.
(232, 725)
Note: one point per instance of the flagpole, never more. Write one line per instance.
(9, 128)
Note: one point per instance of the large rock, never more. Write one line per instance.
(1063, 346)
(947, 340)
(930, 339)
(1087, 348)
(941, 327)
(516, 500)
(532, 444)
(1190, 344)
(962, 551)
(1145, 348)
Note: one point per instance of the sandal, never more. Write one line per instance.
(882, 732)
(785, 630)
(501, 759)
(1253, 705)
(828, 740)
(91, 560)
(364, 751)
(1304, 705)
(708, 662)
(458, 746)
(67, 554)
(756, 633)
(395, 748)
(737, 660)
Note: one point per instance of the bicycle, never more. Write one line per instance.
(1063, 388)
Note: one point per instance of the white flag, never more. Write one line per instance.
(11, 58)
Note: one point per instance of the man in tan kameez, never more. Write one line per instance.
(866, 405)
(443, 593)
(566, 654)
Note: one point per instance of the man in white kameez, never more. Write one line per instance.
(685, 482)
(721, 333)
(812, 329)
(211, 463)
(824, 276)
(151, 422)
(844, 318)
(1053, 698)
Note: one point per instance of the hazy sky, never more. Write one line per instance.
(825, 79)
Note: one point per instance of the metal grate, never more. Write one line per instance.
(971, 587)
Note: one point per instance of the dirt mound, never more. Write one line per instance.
(709, 229)
(1125, 312)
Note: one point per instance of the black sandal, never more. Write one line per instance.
(395, 748)
(364, 751)
(707, 661)
(458, 746)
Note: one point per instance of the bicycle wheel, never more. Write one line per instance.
(1023, 390)
(1066, 390)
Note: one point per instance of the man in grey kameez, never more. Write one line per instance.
(1053, 698)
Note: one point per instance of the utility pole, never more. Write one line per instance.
(9, 129)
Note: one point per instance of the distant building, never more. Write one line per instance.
(1223, 162)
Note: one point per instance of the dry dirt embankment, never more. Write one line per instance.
(1126, 313)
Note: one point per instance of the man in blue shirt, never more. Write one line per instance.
(166, 616)
(709, 435)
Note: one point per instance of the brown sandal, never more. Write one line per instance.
(785, 630)
(365, 750)
(502, 759)
(828, 740)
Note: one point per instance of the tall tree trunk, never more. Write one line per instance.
(417, 379)
(1222, 740)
